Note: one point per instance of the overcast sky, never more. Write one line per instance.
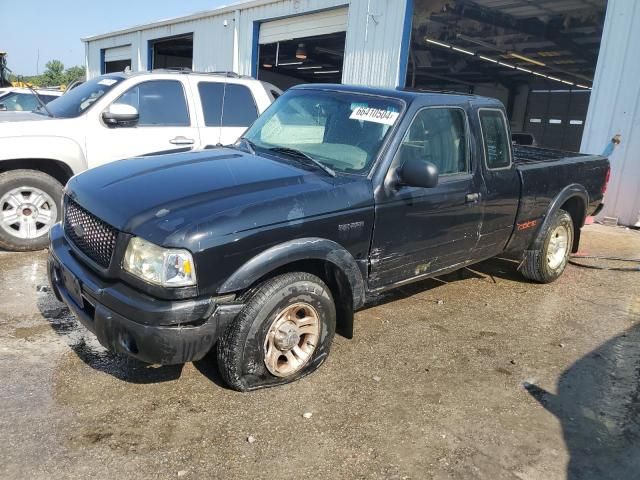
(55, 28)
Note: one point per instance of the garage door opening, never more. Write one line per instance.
(538, 58)
(316, 59)
(116, 59)
(175, 52)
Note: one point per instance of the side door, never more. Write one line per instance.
(419, 231)
(228, 109)
(165, 124)
(501, 195)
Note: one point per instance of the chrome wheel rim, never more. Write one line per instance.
(291, 339)
(27, 212)
(558, 247)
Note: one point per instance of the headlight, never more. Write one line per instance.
(161, 266)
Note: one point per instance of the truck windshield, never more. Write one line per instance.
(78, 100)
(342, 130)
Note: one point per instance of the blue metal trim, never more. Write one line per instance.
(102, 65)
(406, 43)
(255, 49)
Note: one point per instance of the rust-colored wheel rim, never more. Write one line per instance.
(291, 339)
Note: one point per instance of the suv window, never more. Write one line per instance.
(160, 103)
(241, 109)
(438, 135)
(20, 102)
(496, 142)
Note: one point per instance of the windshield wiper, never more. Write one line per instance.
(250, 145)
(292, 152)
(40, 101)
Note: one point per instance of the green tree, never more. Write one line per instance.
(74, 73)
(54, 73)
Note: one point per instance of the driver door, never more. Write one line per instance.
(165, 124)
(419, 231)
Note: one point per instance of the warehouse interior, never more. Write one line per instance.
(538, 58)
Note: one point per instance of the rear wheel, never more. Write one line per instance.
(547, 263)
(30, 204)
(283, 333)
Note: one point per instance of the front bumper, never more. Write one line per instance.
(129, 321)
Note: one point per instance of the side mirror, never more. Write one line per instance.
(417, 172)
(3, 107)
(120, 114)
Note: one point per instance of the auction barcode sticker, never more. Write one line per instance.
(377, 115)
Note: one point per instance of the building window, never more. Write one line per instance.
(116, 66)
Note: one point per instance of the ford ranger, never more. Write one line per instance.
(335, 194)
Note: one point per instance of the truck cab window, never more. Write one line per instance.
(495, 139)
(438, 135)
(160, 103)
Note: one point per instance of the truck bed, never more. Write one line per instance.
(523, 154)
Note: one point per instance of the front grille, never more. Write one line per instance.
(95, 238)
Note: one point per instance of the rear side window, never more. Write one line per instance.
(496, 142)
(229, 105)
(160, 103)
(438, 135)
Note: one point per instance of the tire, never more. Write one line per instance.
(30, 222)
(543, 265)
(246, 351)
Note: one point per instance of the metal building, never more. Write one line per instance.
(565, 69)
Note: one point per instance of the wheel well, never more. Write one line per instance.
(334, 278)
(575, 207)
(55, 168)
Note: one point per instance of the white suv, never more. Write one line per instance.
(18, 99)
(108, 118)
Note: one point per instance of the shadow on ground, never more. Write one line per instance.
(598, 404)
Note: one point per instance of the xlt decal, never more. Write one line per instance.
(527, 225)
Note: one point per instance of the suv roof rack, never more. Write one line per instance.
(222, 73)
(427, 90)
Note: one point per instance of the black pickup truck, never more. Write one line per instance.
(335, 194)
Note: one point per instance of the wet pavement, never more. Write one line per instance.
(478, 374)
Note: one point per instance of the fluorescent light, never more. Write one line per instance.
(523, 70)
(437, 43)
(488, 59)
(540, 74)
(506, 65)
(309, 68)
(463, 51)
(326, 71)
(582, 86)
(568, 83)
(554, 78)
(526, 59)
(289, 63)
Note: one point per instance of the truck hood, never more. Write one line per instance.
(22, 117)
(189, 199)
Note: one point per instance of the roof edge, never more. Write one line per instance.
(241, 5)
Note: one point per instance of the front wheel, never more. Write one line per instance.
(30, 204)
(547, 263)
(283, 333)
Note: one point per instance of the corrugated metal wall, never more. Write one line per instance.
(373, 47)
(615, 108)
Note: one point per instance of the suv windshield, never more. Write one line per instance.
(344, 131)
(78, 100)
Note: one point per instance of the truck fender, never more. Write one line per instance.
(573, 190)
(65, 150)
(310, 248)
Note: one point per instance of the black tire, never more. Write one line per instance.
(241, 350)
(536, 266)
(30, 179)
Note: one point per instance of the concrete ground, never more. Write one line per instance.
(476, 375)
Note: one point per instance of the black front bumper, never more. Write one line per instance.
(129, 321)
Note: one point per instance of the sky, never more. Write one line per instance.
(55, 28)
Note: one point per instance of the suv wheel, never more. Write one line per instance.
(283, 333)
(547, 264)
(30, 204)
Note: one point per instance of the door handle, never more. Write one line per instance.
(182, 141)
(472, 198)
